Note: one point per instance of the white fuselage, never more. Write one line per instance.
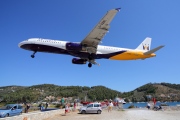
(107, 52)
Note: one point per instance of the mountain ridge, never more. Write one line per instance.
(35, 93)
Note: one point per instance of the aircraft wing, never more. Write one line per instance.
(92, 40)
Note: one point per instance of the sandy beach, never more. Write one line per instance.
(128, 114)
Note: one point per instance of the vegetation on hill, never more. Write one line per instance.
(39, 92)
(160, 91)
(51, 93)
(174, 86)
(101, 93)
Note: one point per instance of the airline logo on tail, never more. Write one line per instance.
(145, 47)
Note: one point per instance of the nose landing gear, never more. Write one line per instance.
(33, 55)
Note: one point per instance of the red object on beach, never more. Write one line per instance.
(85, 103)
(154, 100)
(104, 103)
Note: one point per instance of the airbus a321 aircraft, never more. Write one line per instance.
(89, 49)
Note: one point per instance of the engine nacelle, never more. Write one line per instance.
(73, 46)
(78, 61)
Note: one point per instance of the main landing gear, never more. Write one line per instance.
(90, 59)
(33, 55)
(89, 65)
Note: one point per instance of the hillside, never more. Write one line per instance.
(161, 91)
(50, 93)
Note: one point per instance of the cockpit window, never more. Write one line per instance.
(33, 39)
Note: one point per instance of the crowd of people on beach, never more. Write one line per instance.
(110, 104)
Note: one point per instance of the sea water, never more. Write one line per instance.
(144, 104)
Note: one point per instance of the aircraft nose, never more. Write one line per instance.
(20, 44)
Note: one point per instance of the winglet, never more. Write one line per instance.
(153, 50)
(118, 9)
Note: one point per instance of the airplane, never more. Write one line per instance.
(89, 49)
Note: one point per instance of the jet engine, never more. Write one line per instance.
(73, 46)
(78, 61)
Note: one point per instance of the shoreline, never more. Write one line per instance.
(164, 108)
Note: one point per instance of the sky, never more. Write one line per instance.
(72, 20)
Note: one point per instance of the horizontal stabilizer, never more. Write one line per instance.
(153, 50)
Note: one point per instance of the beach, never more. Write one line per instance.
(127, 114)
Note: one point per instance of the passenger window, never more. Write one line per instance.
(19, 107)
(96, 105)
(15, 107)
(91, 105)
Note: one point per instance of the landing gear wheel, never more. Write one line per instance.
(89, 65)
(32, 56)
